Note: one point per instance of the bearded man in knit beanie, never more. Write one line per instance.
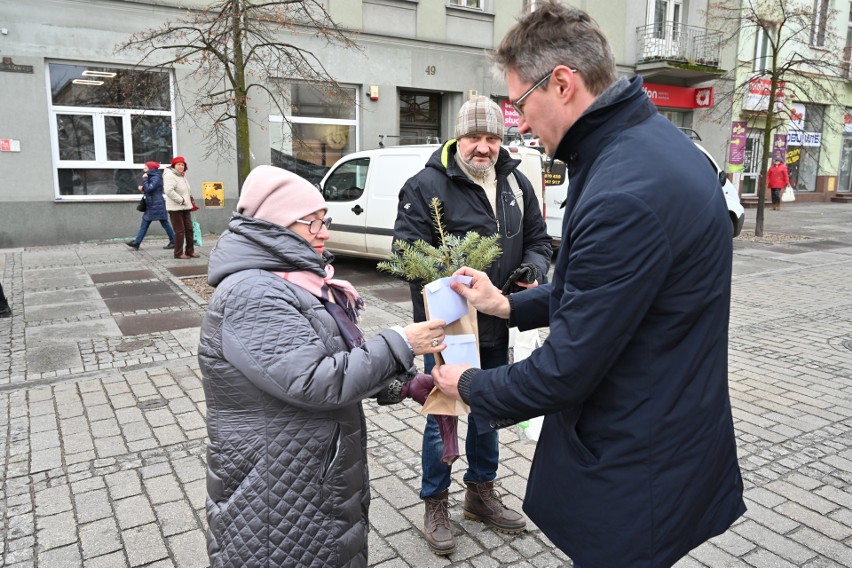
(480, 189)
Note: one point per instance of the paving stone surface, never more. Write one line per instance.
(102, 433)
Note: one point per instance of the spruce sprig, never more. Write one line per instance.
(422, 262)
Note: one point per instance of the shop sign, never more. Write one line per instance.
(554, 173)
(679, 97)
(510, 115)
(10, 145)
(797, 117)
(799, 138)
(757, 97)
(779, 147)
(736, 147)
(10, 67)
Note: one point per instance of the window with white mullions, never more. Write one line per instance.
(762, 50)
(820, 22)
(531, 5)
(476, 4)
(105, 123)
(665, 15)
(321, 128)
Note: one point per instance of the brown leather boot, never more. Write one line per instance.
(482, 503)
(436, 524)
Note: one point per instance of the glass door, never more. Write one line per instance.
(751, 162)
(844, 178)
(419, 117)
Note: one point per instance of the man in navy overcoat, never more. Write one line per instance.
(636, 464)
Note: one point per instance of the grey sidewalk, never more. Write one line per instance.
(102, 412)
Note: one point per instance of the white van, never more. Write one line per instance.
(556, 192)
(362, 194)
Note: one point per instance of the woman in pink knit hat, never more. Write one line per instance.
(285, 368)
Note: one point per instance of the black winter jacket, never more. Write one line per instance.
(523, 236)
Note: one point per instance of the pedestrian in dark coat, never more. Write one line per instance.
(284, 370)
(636, 464)
(152, 186)
(481, 190)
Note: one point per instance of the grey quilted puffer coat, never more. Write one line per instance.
(287, 476)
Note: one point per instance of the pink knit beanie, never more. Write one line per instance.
(278, 196)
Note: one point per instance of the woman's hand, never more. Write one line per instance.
(426, 337)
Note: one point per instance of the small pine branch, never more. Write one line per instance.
(437, 216)
(421, 262)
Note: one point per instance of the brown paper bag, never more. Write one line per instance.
(437, 402)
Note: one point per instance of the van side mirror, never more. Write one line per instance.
(722, 178)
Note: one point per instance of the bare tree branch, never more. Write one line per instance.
(793, 66)
(234, 47)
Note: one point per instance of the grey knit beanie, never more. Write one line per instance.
(479, 115)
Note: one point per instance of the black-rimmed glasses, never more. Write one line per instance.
(518, 104)
(315, 225)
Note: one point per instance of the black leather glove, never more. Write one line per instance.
(526, 273)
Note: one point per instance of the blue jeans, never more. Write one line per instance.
(144, 229)
(483, 451)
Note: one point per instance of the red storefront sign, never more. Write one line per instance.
(510, 115)
(679, 97)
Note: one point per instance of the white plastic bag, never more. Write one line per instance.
(788, 194)
(525, 342)
(529, 430)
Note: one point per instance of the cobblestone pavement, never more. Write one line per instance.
(102, 413)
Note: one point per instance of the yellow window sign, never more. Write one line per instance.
(214, 194)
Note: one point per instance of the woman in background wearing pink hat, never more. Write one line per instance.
(152, 186)
(285, 368)
(179, 205)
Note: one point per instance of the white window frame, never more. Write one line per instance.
(275, 120)
(531, 6)
(670, 21)
(470, 4)
(820, 22)
(99, 133)
(762, 51)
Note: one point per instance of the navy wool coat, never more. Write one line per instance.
(153, 187)
(636, 464)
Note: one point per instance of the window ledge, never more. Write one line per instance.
(475, 12)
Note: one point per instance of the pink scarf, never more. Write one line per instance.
(328, 289)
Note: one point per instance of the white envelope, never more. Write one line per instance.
(461, 350)
(444, 302)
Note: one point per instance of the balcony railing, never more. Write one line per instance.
(668, 41)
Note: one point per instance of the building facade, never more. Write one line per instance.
(75, 133)
(813, 102)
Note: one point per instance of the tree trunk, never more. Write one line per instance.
(242, 121)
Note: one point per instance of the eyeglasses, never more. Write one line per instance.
(315, 225)
(518, 104)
